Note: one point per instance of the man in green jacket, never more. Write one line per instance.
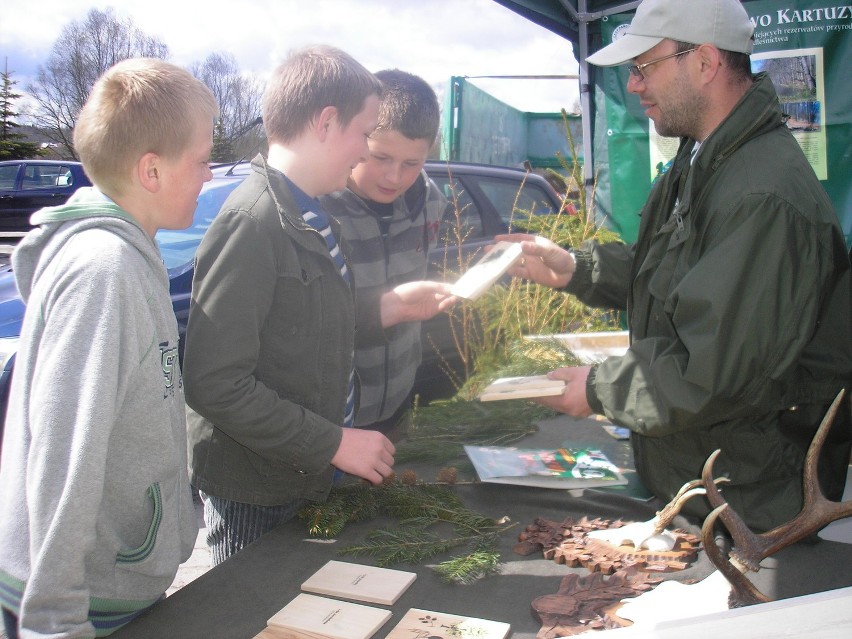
(737, 289)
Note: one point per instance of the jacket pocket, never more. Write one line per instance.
(142, 552)
(665, 267)
(145, 572)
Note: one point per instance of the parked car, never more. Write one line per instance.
(484, 196)
(28, 185)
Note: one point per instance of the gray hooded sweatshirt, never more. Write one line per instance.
(96, 511)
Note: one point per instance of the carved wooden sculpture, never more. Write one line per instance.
(581, 603)
(750, 549)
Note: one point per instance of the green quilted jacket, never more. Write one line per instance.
(738, 301)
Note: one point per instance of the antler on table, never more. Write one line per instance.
(689, 490)
(651, 534)
(749, 549)
(743, 592)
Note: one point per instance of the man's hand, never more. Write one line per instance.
(366, 454)
(572, 401)
(415, 301)
(543, 261)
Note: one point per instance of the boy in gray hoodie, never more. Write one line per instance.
(96, 510)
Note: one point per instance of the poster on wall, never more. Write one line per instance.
(805, 47)
(798, 78)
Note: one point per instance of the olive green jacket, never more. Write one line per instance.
(739, 308)
(269, 350)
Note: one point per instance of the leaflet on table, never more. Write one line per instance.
(553, 468)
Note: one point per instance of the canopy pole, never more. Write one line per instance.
(586, 110)
(583, 17)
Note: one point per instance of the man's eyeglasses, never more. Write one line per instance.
(636, 69)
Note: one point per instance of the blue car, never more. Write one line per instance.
(485, 195)
(28, 185)
(178, 251)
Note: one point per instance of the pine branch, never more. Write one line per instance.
(439, 431)
(470, 568)
(417, 507)
(409, 546)
(353, 503)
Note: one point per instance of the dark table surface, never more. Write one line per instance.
(235, 599)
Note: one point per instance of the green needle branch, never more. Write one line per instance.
(417, 507)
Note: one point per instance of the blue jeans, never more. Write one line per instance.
(10, 624)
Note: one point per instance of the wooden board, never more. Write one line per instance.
(418, 623)
(591, 347)
(521, 387)
(312, 617)
(273, 633)
(490, 268)
(362, 583)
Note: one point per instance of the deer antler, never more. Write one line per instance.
(689, 490)
(749, 549)
(743, 592)
(651, 534)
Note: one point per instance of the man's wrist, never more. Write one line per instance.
(573, 258)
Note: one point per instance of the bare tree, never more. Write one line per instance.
(238, 96)
(81, 54)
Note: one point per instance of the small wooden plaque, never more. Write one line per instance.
(312, 617)
(362, 583)
(521, 387)
(440, 625)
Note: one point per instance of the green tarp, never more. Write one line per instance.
(805, 45)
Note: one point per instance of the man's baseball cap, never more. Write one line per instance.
(722, 23)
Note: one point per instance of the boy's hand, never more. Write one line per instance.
(543, 262)
(573, 400)
(415, 301)
(366, 454)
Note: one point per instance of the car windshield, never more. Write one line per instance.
(178, 247)
(508, 199)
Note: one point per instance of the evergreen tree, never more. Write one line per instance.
(223, 151)
(13, 145)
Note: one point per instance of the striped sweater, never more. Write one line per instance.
(386, 360)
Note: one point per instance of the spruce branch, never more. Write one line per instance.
(470, 568)
(404, 545)
(417, 507)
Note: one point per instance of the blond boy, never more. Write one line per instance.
(95, 506)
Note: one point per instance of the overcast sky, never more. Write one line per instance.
(435, 39)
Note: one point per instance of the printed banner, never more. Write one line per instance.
(804, 46)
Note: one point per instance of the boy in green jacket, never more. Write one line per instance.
(271, 333)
